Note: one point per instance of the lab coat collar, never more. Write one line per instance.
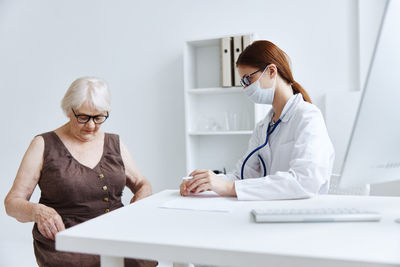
(289, 108)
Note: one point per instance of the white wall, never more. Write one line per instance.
(137, 47)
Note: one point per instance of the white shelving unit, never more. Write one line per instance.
(219, 121)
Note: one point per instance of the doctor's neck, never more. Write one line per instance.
(283, 92)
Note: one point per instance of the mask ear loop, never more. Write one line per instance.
(262, 74)
(274, 84)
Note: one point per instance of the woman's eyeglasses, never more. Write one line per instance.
(83, 118)
(245, 81)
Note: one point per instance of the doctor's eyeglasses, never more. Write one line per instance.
(83, 118)
(245, 81)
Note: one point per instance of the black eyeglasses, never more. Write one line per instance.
(83, 118)
(245, 81)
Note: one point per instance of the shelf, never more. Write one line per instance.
(215, 90)
(219, 121)
(222, 133)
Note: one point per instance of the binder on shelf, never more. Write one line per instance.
(247, 40)
(226, 62)
(237, 49)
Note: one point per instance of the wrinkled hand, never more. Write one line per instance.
(142, 191)
(49, 222)
(207, 180)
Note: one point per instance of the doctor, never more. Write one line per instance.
(290, 155)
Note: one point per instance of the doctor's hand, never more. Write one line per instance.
(207, 180)
(48, 221)
(183, 188)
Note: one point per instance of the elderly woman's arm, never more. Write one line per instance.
(135, 181)
(17, 200)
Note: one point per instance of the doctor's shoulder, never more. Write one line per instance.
(308, 113)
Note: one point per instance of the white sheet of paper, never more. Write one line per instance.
(206, 201)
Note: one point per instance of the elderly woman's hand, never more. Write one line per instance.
(49, 222)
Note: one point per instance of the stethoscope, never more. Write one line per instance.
(269, 132)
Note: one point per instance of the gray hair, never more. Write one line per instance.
(92, 90)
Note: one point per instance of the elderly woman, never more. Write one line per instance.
(81, 172)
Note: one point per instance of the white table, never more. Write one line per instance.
(143, 230)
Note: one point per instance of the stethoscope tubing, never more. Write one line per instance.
(258, 148)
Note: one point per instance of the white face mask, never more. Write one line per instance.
(260, 95)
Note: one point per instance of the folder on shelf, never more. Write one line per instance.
(226, 62)
(237, 49)
(247, 40)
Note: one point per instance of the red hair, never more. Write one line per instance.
(262, 53)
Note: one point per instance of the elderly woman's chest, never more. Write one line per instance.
(88, 155)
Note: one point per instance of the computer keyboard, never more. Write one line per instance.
(314, 215)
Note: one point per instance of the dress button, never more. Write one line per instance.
(105, 188)
(101, 176)
(107, 210)
(106, 199)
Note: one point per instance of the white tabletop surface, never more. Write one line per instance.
(144, 230)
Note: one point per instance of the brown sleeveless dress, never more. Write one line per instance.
(79, 193)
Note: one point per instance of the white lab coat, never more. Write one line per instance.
(298, 157)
